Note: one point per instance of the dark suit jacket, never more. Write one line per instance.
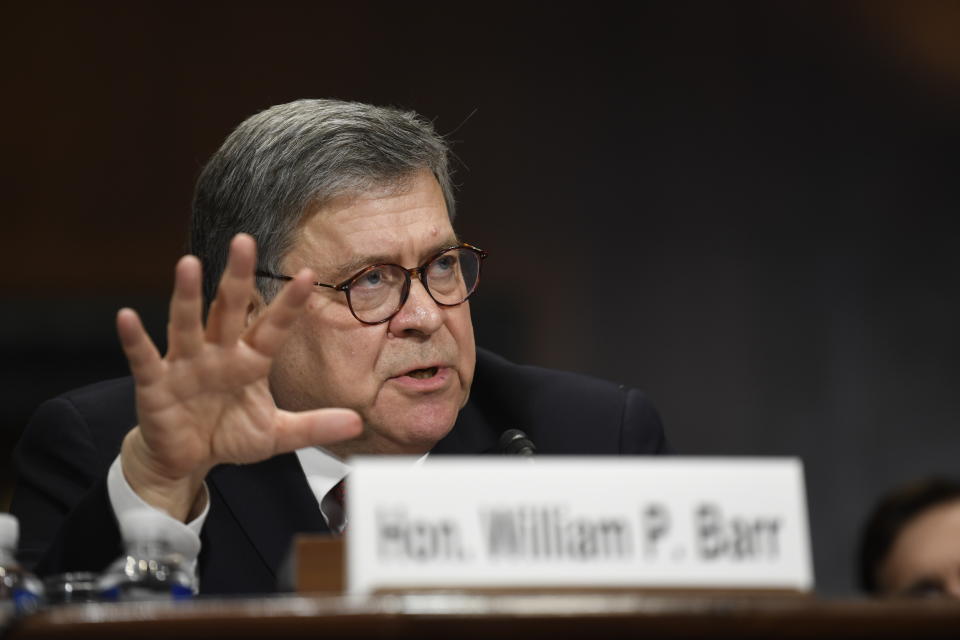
(67, 523)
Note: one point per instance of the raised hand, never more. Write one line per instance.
(207, 401)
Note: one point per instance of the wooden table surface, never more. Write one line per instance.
(520, 615)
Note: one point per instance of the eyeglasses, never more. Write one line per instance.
(378, 292)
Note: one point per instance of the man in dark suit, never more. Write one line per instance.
(348, 334)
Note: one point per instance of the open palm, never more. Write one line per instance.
(207, 401)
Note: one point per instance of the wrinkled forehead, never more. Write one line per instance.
(354, 188)
(401, 221)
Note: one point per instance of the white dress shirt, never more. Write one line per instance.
(322, 469)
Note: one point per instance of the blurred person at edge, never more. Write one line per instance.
(910, 545)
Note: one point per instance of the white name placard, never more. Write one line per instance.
(650, 522)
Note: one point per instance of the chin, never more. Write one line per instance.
(421, 427)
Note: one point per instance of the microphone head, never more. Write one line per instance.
(516, 442)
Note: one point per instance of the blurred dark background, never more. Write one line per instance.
(747, 209)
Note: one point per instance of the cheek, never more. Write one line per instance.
(295, 366)
(314, 366)
(461, 327)
(340, 360)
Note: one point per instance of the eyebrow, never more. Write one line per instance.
(361, 262)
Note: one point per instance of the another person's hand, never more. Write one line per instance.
(207, 401)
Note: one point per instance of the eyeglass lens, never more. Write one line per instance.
(377, 293)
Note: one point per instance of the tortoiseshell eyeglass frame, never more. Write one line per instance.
(409, 274)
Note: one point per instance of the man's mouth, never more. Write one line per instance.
(423, 374)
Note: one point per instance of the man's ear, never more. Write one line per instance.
(254, 309)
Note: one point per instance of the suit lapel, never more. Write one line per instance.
(271, 501)
(472, 434)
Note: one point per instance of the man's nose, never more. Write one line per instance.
(419, 313)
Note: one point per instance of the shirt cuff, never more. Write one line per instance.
(184, 538)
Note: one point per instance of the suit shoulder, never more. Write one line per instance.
(102, 412)
(565, 412)
(114, 390)
(498, 372)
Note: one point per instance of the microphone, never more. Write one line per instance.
(516, 442)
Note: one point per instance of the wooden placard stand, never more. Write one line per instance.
(317, 564)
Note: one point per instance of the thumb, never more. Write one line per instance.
(315, 428)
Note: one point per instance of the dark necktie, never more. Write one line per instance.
(339, 496)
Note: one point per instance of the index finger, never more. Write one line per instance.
(274, 324)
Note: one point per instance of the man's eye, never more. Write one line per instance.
(443, 264)
(370, 279)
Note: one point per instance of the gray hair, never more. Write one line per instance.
(282, 163)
